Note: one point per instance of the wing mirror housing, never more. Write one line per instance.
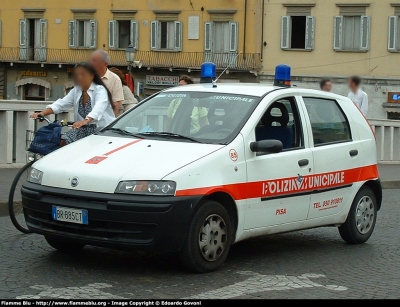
(266, 146)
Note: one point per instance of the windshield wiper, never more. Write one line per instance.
(123, 132)
(171, 135)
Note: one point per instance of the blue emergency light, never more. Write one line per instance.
(282, 75)
(208, 72)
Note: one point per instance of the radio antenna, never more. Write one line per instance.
(230, 63)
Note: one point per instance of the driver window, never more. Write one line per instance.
(281, 122)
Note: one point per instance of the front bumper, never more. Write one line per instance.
(115, 220)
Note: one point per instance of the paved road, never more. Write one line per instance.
(308, 264)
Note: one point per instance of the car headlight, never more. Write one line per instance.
(146, 187)
(35, 176)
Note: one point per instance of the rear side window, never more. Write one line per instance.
(328, 122)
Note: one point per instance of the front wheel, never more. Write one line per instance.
(15, 208)
(210, 236)
(360, 222)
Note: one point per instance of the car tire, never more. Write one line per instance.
(360, 222)
(210, 236)
(63, 245)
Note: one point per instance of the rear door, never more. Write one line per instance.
(337, 163)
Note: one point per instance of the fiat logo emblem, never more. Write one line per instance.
(74, 182)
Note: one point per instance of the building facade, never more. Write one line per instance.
(337, 39)
(41, 41)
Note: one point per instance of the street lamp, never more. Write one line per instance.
(130, 54)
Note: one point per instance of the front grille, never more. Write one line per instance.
(119, 232)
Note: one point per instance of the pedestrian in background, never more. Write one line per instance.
(358, 96)
(185, 80)
(325, 85)
(129, 99)
(100, 59)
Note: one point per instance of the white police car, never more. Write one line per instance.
(194, 169)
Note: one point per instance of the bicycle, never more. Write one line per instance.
(15, 207)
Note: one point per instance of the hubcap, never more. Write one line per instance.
(365, 215)
(212, 237)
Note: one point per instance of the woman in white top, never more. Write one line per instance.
(91, 101)
(129, 99)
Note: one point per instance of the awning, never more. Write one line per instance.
(36, 81)
(67, 86)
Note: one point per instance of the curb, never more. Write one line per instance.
(3, 209)
(391, 184)
(11, 165)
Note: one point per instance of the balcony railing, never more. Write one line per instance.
(163, 59)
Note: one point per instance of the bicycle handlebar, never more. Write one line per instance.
(63, 123)
(41, 118)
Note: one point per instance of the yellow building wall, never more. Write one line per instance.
(10, 13)
(323, 60)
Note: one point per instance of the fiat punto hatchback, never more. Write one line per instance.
(194, 169)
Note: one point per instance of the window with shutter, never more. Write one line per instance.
(112, 25)
(352, 32)
(93, 34)
(43, 33)
(22, 33)
(337, 35)
(393, 33)
(365, 30)
(23, 39)
(297, 30)
(310, 28)
(166, 35)
(72, 34)
(134, 39)
(178, 35)
(233, 36)
(154, 35)
(285, 32)
(41, 53)
(208, 34)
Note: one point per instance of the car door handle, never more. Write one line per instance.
(303, 162)
(353, 153)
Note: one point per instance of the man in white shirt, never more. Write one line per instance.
(358, 96)
(100, 60)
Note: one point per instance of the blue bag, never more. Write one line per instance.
(47, 139)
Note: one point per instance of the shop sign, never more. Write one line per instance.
(32, 73)
(162, 80)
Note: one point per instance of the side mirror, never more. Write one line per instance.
(266, 146)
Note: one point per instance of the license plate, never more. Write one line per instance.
(78, 216)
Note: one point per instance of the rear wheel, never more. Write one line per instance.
(15, 208)
(210, 236)
(360, 222)
(64, 245)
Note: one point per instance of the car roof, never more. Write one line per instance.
(251, 89)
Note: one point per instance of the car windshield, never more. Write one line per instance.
(188, 117)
